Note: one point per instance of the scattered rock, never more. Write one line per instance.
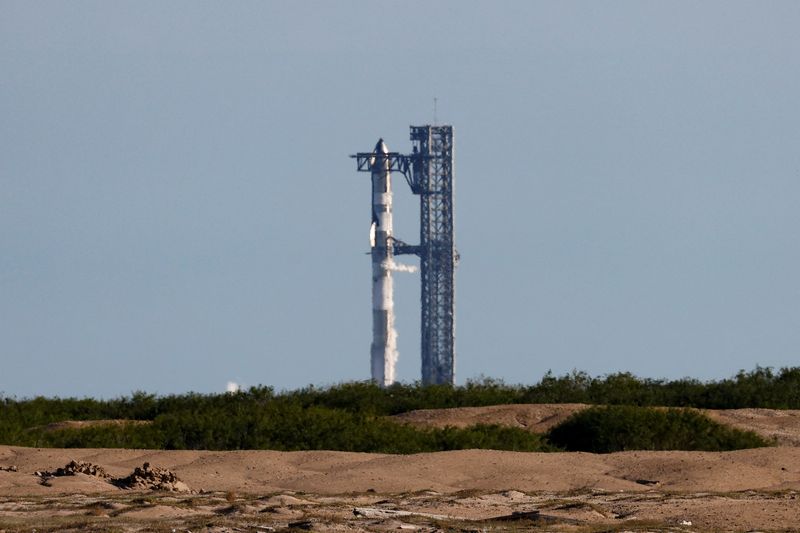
(8, 468)
(302, 524)
(72, 468)
(519, 515)
(285, 500)
(394, 525)
(284, 512)
(536, 517)
(374, 512)
(152, 478)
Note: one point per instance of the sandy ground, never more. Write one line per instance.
(780, 425)
(470, 490)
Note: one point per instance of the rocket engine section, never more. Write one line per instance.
(384, 337)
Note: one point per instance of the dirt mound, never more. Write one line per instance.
(781, 425)
(75, 467)
(83, 424)
(144, 477)
(538, 418)
(152, 478)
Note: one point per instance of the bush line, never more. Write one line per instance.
(350, 416)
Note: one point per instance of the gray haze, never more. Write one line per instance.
(177, 208)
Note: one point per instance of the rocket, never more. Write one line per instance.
(383, 352)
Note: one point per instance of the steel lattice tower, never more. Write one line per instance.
(429, 173)
(432, 180)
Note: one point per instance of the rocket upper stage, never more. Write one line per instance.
(380, 148)
(381, 191)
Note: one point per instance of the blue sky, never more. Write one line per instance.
(177, 208)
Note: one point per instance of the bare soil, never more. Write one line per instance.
(82, 424)
(783, 426)
(469, 490)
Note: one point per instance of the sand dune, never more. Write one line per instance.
(325, 472)
(335, 472)
(781, 425)
(742, 490)
(538, 418)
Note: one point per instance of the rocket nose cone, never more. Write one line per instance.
(380, 147)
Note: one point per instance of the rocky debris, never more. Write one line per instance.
(535, 517)
(152, 478)
(302, 524)
(75, 467)
(285, 500)
(374, 512)
(395, 525)
(144, 477)
(530, 516)
(8, 468)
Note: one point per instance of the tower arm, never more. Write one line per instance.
(401, 248)
(397, 162)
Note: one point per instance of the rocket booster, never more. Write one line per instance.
(383, 351)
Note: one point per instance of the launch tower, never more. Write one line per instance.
(429, 172)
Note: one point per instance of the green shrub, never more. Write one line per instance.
(287, 428)
(619, 428)
(491, 437)
(348, 416)
(758, 388)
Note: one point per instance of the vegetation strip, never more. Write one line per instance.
(352, 416)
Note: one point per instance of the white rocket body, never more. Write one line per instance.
(384, 337)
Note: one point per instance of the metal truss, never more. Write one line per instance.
(397, 162)
(429, 173)
(432, 180)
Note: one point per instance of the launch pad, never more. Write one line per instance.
(428, 170)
